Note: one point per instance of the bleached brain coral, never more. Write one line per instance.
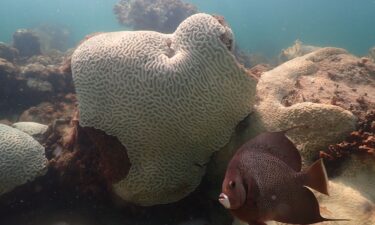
(293, 94)
(21, 158)
(171, 99)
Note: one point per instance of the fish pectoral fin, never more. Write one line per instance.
(301, 208)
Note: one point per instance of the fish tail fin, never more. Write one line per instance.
(316, 177)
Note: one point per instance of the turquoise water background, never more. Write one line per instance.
(260, 26)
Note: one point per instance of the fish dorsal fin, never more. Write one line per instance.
(301, 208)
(278, 145)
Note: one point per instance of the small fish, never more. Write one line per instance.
(264, 182)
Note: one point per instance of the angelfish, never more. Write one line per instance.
(264, 182)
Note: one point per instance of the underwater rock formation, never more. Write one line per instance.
(158, 15)
(8, 53)
(30, 81)
(296, 50)
(21, 158)
(171, 99)
(26, 42)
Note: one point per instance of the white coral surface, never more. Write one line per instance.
(21, 158)
(171, 99)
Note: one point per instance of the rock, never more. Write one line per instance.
(163, 87)
(36, 130)
(22, 158)
(26, 42)
(7, 52)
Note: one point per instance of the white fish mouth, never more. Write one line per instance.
(224, 200)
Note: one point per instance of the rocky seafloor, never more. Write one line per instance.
(76, 187)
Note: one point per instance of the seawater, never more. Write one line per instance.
(260, 26)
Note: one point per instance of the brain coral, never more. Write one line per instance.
(171, 99)
(285, 100)
(21, 158)
(36, 130)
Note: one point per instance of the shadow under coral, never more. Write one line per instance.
(83, 165)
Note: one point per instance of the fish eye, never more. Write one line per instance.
(232, 184)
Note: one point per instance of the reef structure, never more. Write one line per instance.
(328, 92)
(171, 100)
(157, 15)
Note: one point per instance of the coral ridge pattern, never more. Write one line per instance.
(21, 158)
(171, 99)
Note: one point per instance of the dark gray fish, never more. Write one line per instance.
(264, 182)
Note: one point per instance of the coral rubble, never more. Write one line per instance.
(158, 15)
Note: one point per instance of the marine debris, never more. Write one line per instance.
(157, 15)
